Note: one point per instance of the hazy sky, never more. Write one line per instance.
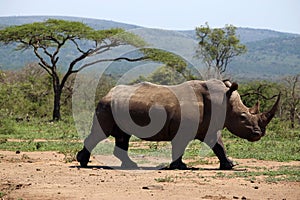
(280, 15)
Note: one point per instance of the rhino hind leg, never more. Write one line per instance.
(96, 135)
(178, 148)
(178, 164)
(121, 150)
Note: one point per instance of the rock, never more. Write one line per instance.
(244, 198)
(235, 197)
(153, 187)
(18, 152)
(256, 187)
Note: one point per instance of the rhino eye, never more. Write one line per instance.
(243, 116)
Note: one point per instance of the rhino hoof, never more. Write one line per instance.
(227, 165)
(178, 165)
(129, 165)
(83, 157)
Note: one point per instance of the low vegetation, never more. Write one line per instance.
(25, 123)
(283, 173)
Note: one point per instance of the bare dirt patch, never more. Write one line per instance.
(45, 175)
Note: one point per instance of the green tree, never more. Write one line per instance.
(218, 46)
(263, 91)
(291, 91)
(163, 75)
(47, 39)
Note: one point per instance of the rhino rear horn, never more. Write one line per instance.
(255, 109)
(270, 114)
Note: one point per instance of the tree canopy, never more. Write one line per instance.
(218, 46)
(47, 38)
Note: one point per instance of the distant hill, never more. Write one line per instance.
(94, 23)
(251, 35)
(271, 54)
(269, 58)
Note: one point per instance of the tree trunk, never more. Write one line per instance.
(56, 106)
(57, 96)
(292, 117)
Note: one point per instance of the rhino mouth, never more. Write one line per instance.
(255, 136)
(254, 139)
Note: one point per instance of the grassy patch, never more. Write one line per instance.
(280, 143)
(60, 146)
(284, 173)
(39, 129)
(167, 179)
(154, 149)
(2, 194)
(271, 147)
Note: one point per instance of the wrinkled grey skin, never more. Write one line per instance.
(244, 122)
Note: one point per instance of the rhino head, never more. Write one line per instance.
(244, 122)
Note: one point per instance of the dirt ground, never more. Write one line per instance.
(45, 175)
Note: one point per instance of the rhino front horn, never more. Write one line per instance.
(269, 115)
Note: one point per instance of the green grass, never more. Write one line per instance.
(2, 194)
(284, 173)
(277, 145)
(167, 179)
(59, 136)
(60, 146)
(280, 143)
(37, 129)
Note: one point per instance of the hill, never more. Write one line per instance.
(247, 35)
(269, 58)
(271, 54)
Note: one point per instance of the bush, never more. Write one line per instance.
(7, 126)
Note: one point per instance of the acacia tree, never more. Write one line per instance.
(218, 46)
(47, 39)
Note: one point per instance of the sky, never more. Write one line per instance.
(279, 15)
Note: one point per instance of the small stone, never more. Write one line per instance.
(153, 187)
(252, 181)
(235, 197)
(244, 198)
(19, 186)
(18, 152)
(38, 169)
(256, 187)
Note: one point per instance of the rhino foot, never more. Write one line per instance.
(178, 165)
(129, 165)
(83, 157)
(227, 165)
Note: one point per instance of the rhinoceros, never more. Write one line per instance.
(179, 113)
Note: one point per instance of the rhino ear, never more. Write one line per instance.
(234, 86)
(255, 109)
(227, 83)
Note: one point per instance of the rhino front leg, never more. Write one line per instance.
(121, 150)
(219, 150)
